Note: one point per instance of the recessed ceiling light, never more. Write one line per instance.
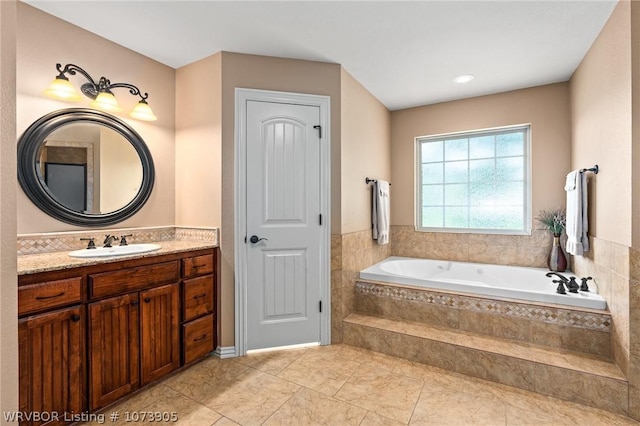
(464, 78)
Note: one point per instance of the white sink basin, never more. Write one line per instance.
(115, 250)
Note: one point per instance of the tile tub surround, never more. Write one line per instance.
(586, 331)
(575, 377)
(350, 253)
(621, 265)
(516, 250)
(69, 241)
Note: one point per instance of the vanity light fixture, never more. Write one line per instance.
(464, 78)
(100, 92)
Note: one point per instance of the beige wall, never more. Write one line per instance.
(545, 107)
(366, 151)
(289, 75)
(198, 143)
(43, 41)
(635, 125)
(603, 131)
(8, 273)
(601, 127)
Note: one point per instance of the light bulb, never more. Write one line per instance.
(106, 101)
(142, 111)
(61, 88)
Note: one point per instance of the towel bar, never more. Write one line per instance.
(595, 169)
(368, 181)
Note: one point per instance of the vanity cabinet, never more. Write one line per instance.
(198, 303)
(134, 337)
(51, 346)
(113, 349)
(51, 354)
(93, 334)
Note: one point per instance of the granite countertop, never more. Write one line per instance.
(34, 263)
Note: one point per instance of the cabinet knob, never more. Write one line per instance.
(75, 317)
(147, 299)
(134, 303)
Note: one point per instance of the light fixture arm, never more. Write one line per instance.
(91, 89)
(132, 89)
(72, 69)
(100, 92)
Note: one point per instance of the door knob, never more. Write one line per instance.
(254, 239)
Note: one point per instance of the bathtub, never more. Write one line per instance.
(512, 282)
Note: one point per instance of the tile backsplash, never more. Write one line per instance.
(66, 241)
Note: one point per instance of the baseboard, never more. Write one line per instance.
(226, 352)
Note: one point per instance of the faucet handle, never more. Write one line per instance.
(123, 239)
(584, 286)
(560, 289)
(572, 285)
(91, 244)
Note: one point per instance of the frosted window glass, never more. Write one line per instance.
(482, 170)
(482, 217)
(496, 217)
(481, 194)
(477, 181)
(432, 173)
(456, 172)
(510, 144)
(432, 217)
(456, 217)
(483, 147)
(432, 195)
(510, 168)
(456, 149)
(456, 195)
(432, 151)
(509, 193)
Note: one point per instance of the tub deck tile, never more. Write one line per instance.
(585, 363)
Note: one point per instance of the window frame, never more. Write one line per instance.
(527, 197)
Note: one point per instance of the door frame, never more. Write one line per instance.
(242, 96)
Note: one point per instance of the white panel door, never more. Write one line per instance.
(283, 214)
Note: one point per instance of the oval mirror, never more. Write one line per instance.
(85, 167)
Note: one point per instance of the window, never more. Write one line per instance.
(474, 181)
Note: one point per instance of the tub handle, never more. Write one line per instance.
(560, 289)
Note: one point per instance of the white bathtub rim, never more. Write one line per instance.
(581, 300)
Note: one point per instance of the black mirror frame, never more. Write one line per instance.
(29, 149)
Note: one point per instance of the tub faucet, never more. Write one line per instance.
(564, 279)
(109, 239)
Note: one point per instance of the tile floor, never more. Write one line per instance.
(345, 385)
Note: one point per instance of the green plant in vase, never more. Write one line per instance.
(555, 222)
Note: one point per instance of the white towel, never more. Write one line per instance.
(577, 225)
(380, 211)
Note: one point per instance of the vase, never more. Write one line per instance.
(557, 261)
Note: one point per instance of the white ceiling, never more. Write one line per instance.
(404, 52)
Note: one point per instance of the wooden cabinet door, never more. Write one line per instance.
(159, 332)
(113, 349)
(51, 351)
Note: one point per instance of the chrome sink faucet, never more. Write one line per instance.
(109, 239)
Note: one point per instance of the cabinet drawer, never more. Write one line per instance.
(197, 338)
(131, 279)
(198, 265)
(197, 297)
(49, 294)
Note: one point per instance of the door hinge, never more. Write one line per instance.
(319, 130)
(320, 218)
(320, 305)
